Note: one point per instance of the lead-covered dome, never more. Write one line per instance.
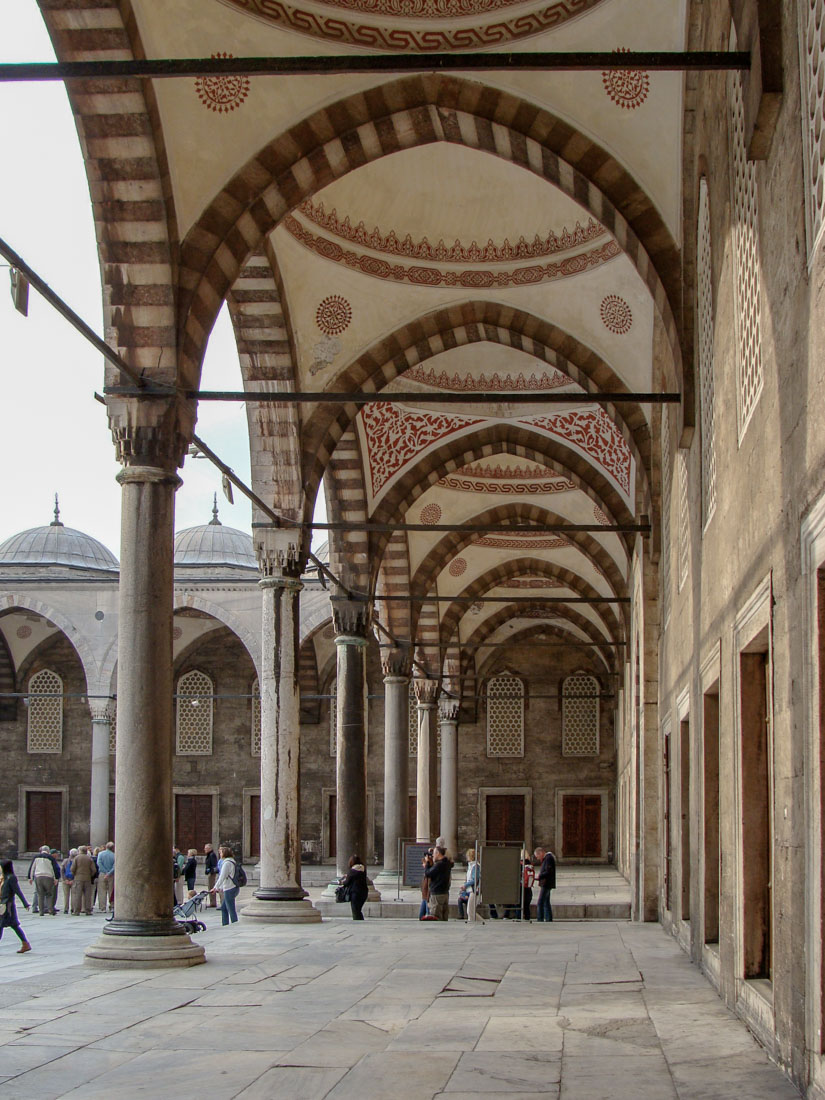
(56, 545)
(213, 545)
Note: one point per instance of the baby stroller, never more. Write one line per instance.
(185, 912)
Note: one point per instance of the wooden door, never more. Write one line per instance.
(255, 826)
(581, 826)
(44, 819)
(332, 845)
(193, 821)
(412, 811)
(111, 815)
(505, 819)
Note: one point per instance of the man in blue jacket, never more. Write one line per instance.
(106, 878)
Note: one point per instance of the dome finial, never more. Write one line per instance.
(56, 521)
(215, 519)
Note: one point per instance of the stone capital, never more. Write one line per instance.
(351, 617)
(278, 552)
(101, 709)
(397, 662)
(426, 691)
(151, 432)
(448, 709)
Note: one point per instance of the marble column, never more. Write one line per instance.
(448, 715)
(426, 787)
(99, 801)
(280, 898)
(351, 620)
(143, 932)
(396, 666)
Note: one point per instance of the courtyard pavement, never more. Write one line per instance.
(377, 1009)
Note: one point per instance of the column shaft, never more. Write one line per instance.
(350, 718)
(99, 800)
(426, 821)
(396, 766)
(449, 782)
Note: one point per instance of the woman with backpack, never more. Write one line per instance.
(228, 881)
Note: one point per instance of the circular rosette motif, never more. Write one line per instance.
(222, 94)
(616, 314)
(430, 513)
(333, 315)
(457, 567)
(628, 88)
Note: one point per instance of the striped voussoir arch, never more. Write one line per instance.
(349, 551)
(394, 580)
(488, 657)
(308, 682)
(268, 364)
(453, 542)
(526, 566)
(461, 325)
(8, 705)
(490, 439)
(402, 114)
(121, 138)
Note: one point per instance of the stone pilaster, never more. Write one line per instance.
(396, 666)
(99, 825)
(448, 717)
(426, 787)
(150, 436)
(280, 898)
(351, 621)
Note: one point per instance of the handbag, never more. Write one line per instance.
(342, 893)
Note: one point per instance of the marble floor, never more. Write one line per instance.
(380, 1009)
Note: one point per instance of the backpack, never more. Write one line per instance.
(239, 878)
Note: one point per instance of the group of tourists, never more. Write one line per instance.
(435, 886)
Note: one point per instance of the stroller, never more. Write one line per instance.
(185, 913)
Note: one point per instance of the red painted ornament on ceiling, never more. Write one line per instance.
(457, 567)
(617, 315)
(594, 433)
(430, 514)
(601, 517)
(333, 315)
(495, 383)
(177, 633)
(24, 631)
(531, 582)
(222, 94)
(628, 88)
(525, 543)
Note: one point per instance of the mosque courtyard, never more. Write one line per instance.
(383, 1008)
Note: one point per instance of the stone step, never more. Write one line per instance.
(407, 910)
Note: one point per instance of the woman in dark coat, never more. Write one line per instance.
(356, 883)
(9, 890)
(190, 871)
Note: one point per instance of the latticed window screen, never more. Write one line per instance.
(666, 475)
(684, 518)
(256, 718)
(412, 722)
(194, 724)
(505, 716)
(333, 718)
(112, 728)
(706, 325)
(812, 32)
(45, 732)
(580, 715)
(745, 232)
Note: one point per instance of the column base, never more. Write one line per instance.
(387, 879)
(149, 952)
(271, 911)
(329, 891)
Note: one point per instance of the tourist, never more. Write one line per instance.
(439, 880)
(190, 871)
(106, 878)
(467, 893)
(44, 879)
(177, 875)
(547, 882)
(83, 873)
(426, 863)
(210, 869)
(226, 882)
(9, 890)
(67, 879)
(528, 877)
(355, 882)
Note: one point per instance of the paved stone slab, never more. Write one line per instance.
(513, 1072)
(400, 1073)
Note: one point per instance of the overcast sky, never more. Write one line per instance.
(54, 436)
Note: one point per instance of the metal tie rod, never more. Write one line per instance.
(535, 601)
(475, 528)
(541, 61)
(361, 397)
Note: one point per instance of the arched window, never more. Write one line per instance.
(580, 715)
(505, 716)
(45, 733)
(256, 717)
(194, 723)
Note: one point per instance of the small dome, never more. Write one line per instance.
(213, 544)
(57, 545)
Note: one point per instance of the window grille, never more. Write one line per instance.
(704, 267)
(580, 715)
(505, 716)
(666, 475)
(812, 36)
(256, 718)
(45, 733)
(684, 518)
(412, 722)
(112, 727)
(194, 721)
(745, 233)
(333, 718)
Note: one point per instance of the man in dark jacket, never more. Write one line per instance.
(439, 878)
(547, 882)
(210, 869)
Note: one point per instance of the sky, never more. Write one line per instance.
(54, 437)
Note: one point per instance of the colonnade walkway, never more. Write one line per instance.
(597, 1010)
